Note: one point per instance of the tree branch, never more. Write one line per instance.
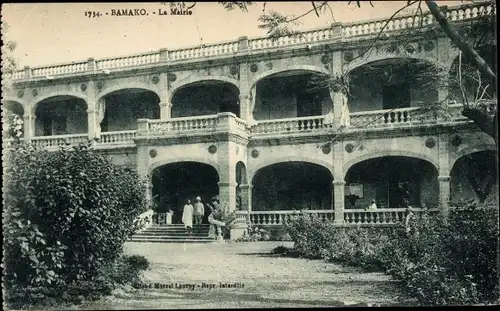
(455, 37)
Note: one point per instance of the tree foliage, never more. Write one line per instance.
(66, 214)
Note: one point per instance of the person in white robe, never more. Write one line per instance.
(344, 114)
(373, 205)
(187, 216)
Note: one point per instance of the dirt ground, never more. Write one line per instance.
(191, 275)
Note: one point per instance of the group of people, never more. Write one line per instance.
(196, 212)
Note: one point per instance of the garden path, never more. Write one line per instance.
(268, 280)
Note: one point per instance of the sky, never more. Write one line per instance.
(52, 33)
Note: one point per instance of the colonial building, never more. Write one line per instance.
(253, 121)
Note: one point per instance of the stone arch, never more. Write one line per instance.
(191, 80)
(310, 68)
(387, 153)
(8, 104)
(289, 185)
(141, 86)
(253, 170)
(201, 160)
(241, 172)
(15, 99)
(174, 182)
(375, 57)
(56, 94)
(468, 150)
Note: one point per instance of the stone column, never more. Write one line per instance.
(444, 195)
(444, 173)
(246, 197)
(165, 104)
(143, 167)
(227, 174)
(28, 125)
(245, 106)
(92, 111)
(338, 201)
(165, 111)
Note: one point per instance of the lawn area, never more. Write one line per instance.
(268, 280)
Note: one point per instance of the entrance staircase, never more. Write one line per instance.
(173, 234)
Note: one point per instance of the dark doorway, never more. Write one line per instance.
(396, 96)
(175, 183)
(308, 104)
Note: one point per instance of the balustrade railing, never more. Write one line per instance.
(55, 70)
(185, 124)
(117, 137)
(128, 61)
(59, 140)
(338, 31)
(385, 117)
(305, 37)
(223, 48)
(383, 216)
(314, 123)
(259, 218)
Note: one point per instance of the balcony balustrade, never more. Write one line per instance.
(337, 32)
(224, 122)
(58, 140)
(229, 123)
(117, 137)
(291, 125)
(383, 216)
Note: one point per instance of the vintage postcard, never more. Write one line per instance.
(186, 155)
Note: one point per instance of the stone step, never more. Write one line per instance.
(176, 237)
(178, 225)
(176, 230)
(171, 240)
(171, 235)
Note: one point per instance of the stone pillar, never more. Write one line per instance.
(143, 167)
(92, 111)
(165, 105)
(227, 174)
(338, 201)
(245, 107)
(27, 72)
(444, 173)
(165, 111)
(163, 55)
(246, 197)
(336, 89)
(242, 43)
(227, 194)
(91, 64)
(28, 125)
(444, 195)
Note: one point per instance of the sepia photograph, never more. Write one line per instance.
(225, 155)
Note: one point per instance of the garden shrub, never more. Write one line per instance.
(311, 235)
(67, 213)
(453, 262)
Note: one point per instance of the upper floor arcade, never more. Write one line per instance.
(317, 82)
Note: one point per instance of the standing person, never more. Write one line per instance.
(187, 216)
(199, 211)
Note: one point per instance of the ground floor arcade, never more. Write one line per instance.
(280, 189)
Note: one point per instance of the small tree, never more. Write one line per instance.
(67, 213)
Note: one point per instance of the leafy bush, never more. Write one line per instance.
(312, 236)
(451, 262)
(67, 213)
